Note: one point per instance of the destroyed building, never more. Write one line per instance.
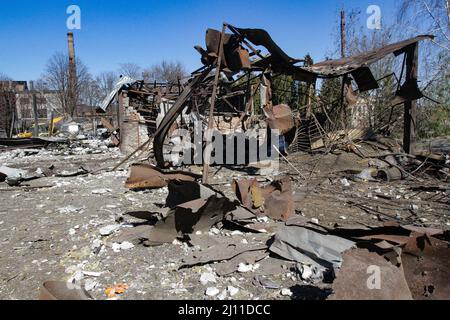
(345, 196)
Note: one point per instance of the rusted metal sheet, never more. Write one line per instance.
(60, 290)
(426, 262)
(357, 278)
(343, 66)
(280, 117)
(144, 176)
(279, 204)
(234, 56)
(274, 200)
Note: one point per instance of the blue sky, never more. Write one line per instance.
(148, 31)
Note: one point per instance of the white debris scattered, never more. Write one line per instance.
(92, 273)
(122, 246)
(207, 277)
(414, 207)
(345, 182)
(198, 233)
(244, 241)
(263, 219)
(212, 291)
(343, 217)
(76, 277)
(107, 230)
(423, 219)
(244, 267)
(126, 245)
(72, 231)
(315, 220)
(101, 191)
(222, 295)
(68, 209)
(97, 243)
(286, 292)
(232, 290)
(214, 231)
(177, 242)
(307, 272)
(90, 284)
(236, 233)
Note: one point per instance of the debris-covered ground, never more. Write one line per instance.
(77, 222)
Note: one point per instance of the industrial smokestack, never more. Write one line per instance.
(72, 94)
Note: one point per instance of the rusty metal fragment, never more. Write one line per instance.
(353, 280)
(279, 204)
(426, 262)
(280, 117)
(274, 200)
(144, 176)
(60, 290)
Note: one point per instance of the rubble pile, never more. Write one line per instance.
(332, 211)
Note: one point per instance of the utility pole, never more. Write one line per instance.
(35, 111)
(343, 33)
(409, 118)
(72, 75)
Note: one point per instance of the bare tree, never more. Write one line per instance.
(166, 71)
(431, 17)
(106, 82)
(56, 77)
(427, 16)
(90, 93)
(130, 69)
(4, 77)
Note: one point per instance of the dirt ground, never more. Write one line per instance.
(52, 232)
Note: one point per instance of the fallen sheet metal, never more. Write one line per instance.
(221, 248)
(78, 172)
(14, 177)
(366, 275)
(145, 176)
(249, 258)
(322, 251)
(426, 263)
(183, 219)
(6, 172)
(220, 253)
(200, 214)
(59, 290)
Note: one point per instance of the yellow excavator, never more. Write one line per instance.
(44, 129)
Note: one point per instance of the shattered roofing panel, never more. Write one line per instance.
(261, 37)
(346, 65)
(107, 101)
(278, 60)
